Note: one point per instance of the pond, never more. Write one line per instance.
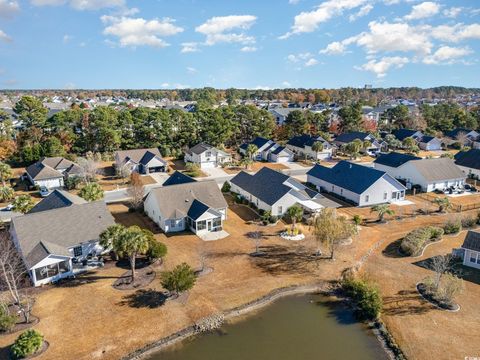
(296, 327)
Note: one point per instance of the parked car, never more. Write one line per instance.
(44, 192)
(9, 207)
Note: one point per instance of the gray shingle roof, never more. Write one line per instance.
(39, 171)
(438, 169)
(402, 134)
(178, 178)
(136, 155)
(59, 229)
(266, 184)
(304, 140)
(469, 159)
(57, 199)
(472, 241)
(349, 137)
(52, 167)
(175, 199)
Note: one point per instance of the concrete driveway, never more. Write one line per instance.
(215, 172)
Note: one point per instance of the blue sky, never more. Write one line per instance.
(243, 43)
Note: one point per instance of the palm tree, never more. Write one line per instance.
(251, 150)
(382, 210)
(6, 193)
(91, 192)
(366, 144)
(443, 204)
(295, 213)
(23, 203)
(317, 146)
(354, 148)
(5, 173)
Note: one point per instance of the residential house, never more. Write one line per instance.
(207, 156)
(429, 174)
(198, 206)
(273, 191)
(471, 248)
(376, 145)
(57, 199)
(430, 143)
(302, 146)
(268, 150)
(280, 114)
(402, 134)
(143, 161)
(358, 184)
(469, 162)
(52, 172)
(466, 136)
(57, 241)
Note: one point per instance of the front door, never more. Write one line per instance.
(209, 225)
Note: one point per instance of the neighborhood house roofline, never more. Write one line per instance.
(472, 241)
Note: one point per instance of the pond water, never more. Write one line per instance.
(297, 327)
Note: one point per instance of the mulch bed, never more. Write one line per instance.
(143, 277)
(421, 288)
(21, 325)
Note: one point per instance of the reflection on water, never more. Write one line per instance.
(298, 328)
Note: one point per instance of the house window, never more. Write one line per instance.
(341, 191)
(280, 210)
(201, 225)
(333, 188)
(385, 195)
(208, 154)
(367, 198)
(217, 222)
(77, 251)
(473, 257)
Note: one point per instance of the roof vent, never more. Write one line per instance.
(350, 166)
(186, 200)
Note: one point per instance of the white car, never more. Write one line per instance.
(44, 192)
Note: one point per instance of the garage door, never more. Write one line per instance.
(206, 165)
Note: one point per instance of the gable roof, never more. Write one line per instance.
(178, 178)
(199, 148)
(279, 149)
(40, 171)
(137, 155)
(347, 175)
(470, 158)
(349, 137)
(59, 229)
(57, 199)
(402, 134)
(455, 132)
(472, 241)
(197, 209)
(62, 165)
(266, 185)
(258, 142)
(175, 200)
(395, 159)
(426, 139)
(438, 169)
(304, 140)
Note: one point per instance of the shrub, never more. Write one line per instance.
(226, 187)
(180, 279)
(266, 217)
(469, 222)
(415, 241)
(357, 219)
(192, 169)
(156, 250)
(7, 321)
(28, 343)
(367, 296)
(452, 227)
(456, 145)
(273, 219)
(72, 182)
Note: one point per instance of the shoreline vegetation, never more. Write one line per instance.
(216, 320)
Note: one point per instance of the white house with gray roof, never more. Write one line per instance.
(198, 206)
(143, 161)
(471, 248)
(58, 241)
(429, 174)
(273, 191)
(207, 156)
(268, 150)
(51, 172)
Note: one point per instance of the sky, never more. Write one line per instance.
(155, 44)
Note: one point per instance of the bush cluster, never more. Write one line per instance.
(28, 343)
(469, 222)
(452, 227)
(413, 243)
(367, 297)
(7, 321)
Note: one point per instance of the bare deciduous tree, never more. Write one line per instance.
(257, 237)
(89, 168)
(123, 172)
(440, 265)
(136, 191)
(12, 276)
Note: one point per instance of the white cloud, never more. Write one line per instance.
(165, 85)
(453, 12)
(262, 87)
(8, 8)
(191, 70)
(248, 49)
(4, 37)
(455, 33)
(189, 47)
(381, 66)
(309, 21)
(334, 48)
(86, 4)
(311, 62)
(132, 32)
(286, 84)
(66, 38)
(447, 55)
(423, 10)
(293, 2)
(70, 86)
(364, 10)
(227, 29)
